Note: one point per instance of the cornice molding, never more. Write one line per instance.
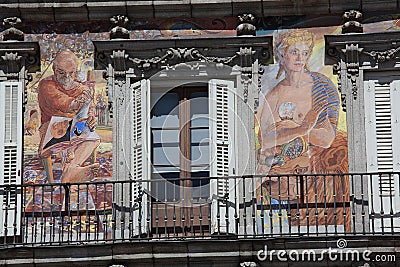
(375, 48)
(15, 55)
(135, 60)
(144, 58)
(80, 10)
(355, 52)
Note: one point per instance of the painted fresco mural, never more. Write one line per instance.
(301, 130)
(300, 125)
(67, 96)
(67, 131)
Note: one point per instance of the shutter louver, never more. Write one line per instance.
(223, 190)
(10, 156)
(384, 137)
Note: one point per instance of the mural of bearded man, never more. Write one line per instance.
(62, 97)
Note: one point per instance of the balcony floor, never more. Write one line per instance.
(211, 252)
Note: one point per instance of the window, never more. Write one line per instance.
(180, 143)
(180, 138)
(180, 152)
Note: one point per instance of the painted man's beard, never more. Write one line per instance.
(65, 82)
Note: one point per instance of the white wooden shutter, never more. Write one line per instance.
(140, 159)
(383, 155)
(395, 123)
(10, 157)
(222, 128)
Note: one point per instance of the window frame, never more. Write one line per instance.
(185, 141)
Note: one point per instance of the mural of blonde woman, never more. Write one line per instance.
(298, 122)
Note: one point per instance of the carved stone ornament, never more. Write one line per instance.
(352, 15)
(119, 62)
(174, 56)
(246, 63)
(28, 79)
(141, 59)
(110, 96)
(352, 54)
(119, 31)
(381, 56)
(147, 57)
(352, 22)
(120, 84)
(16, 56)
(246, 25)
(13, 62)
(256, 98)
(338, 71)
(11, 32)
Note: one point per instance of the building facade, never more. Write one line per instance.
(242, 133)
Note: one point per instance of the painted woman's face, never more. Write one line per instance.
(295, 57)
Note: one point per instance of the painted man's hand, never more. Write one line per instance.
(75, 104)
(85, 97)
(91, 123)
(82, 99)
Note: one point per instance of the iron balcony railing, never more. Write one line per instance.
(200, 208)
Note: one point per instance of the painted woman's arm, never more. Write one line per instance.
(322, 136)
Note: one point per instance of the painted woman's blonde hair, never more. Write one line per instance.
(284, 40)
